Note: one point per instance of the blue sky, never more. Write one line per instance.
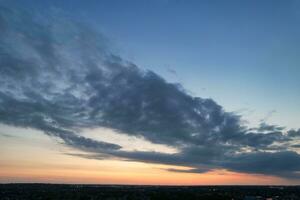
(62, 78)
(245, 55)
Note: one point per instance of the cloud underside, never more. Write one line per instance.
(60, 76)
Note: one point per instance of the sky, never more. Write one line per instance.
(150, 92)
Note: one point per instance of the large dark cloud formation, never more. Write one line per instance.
(59, 76)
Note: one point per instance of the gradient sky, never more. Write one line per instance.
(73, 73)
(242, 54)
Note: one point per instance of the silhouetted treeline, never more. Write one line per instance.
(95, 192)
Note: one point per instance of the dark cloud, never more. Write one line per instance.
(295, 145)
(285, 163)
(268, 128)
(294, 133)
(196, 170)
(59, 76)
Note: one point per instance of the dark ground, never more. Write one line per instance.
(93, 192)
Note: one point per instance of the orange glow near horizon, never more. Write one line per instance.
(87, 171)
(143, 176)
(30, 156)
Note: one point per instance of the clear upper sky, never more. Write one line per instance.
(84, 99)
(243, 54)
